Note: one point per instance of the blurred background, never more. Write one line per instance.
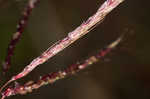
(123, 74)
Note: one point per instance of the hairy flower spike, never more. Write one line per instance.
(80, 31)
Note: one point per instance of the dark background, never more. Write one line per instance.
(123, 74)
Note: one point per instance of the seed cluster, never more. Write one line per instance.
(17, 35)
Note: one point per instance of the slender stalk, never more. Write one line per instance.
(53, 77)
(17, 35)
(80, 31)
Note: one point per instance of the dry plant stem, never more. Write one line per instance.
(83, 29)
(16, 36)
(53, 77)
